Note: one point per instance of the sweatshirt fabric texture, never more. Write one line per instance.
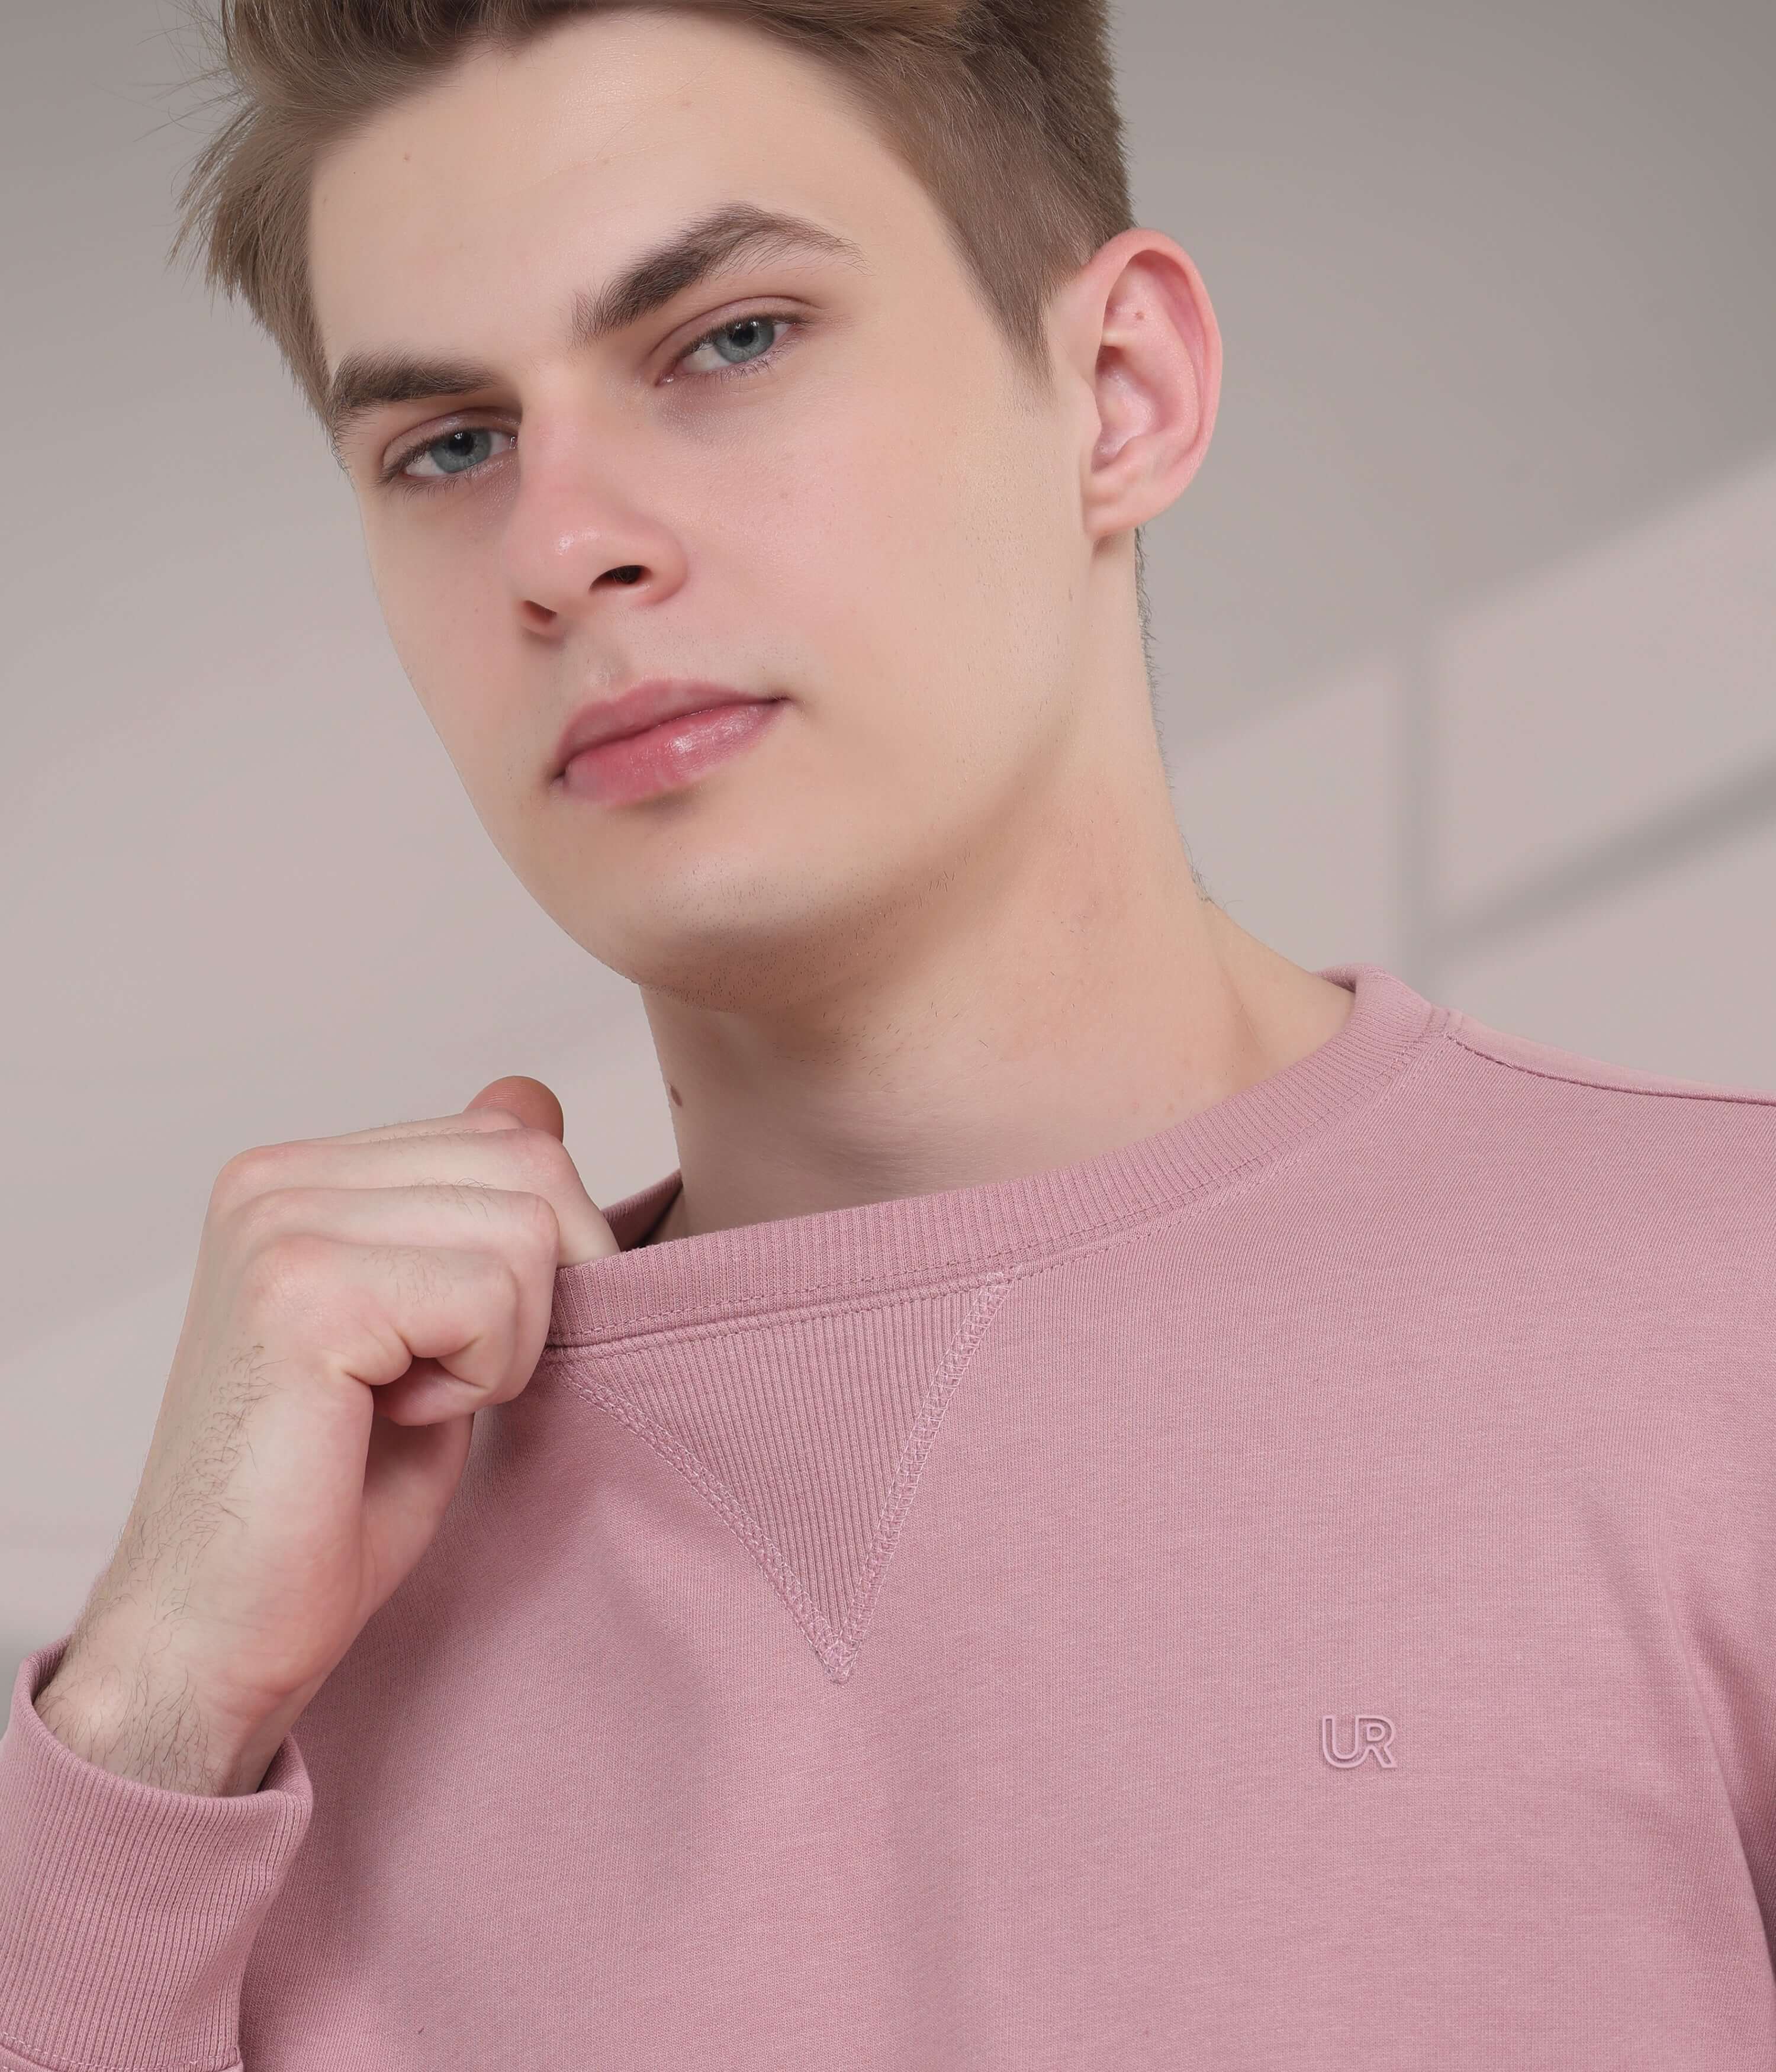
(1293, 1593)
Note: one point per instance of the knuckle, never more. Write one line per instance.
(542, 1157)
(544, 1224)
(260, 1219)
(246, 1174)
(465, 1196)
(283, 1270)
(414, 1273)
(506, 1213)
(509, 1313)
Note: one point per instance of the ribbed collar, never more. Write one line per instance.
(921, 1239)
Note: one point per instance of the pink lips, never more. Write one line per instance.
(658, 736)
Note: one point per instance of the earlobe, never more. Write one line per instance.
(1156, 379)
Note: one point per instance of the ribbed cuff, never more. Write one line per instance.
(127, 1911)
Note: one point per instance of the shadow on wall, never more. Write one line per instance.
(1557, 812)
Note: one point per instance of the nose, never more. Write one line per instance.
(577, 533)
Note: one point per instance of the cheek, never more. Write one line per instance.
(442, 632)
(412, 595)
(445, 626)
(907, 582)
(887, 524)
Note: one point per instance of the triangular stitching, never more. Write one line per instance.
(835, 1649)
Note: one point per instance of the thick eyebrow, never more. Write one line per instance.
(365, 381)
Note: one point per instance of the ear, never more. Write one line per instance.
(1138, 332)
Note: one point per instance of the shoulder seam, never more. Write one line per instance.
(1745, 1096)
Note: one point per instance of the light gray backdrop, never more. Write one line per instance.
(1465, 631)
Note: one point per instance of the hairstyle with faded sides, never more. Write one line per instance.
(1004, 110)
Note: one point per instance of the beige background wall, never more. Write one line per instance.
(1465, 633)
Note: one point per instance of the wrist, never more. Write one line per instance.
(107, 1710)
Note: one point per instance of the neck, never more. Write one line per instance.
(1101, 1000)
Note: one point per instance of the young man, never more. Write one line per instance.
(1143, 1506)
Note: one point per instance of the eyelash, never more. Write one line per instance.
(393, 477)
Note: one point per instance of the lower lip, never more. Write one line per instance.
(667, 757)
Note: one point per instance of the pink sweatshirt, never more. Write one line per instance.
(1296, 1593)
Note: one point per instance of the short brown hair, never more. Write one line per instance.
(1005, 110)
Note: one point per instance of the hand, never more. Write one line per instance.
(356, 1299)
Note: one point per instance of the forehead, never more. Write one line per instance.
(522, 171)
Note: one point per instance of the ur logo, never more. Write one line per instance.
(1369, 1735)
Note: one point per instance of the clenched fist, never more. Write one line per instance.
(356, 1299)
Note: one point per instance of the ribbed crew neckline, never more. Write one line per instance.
(921, 1240)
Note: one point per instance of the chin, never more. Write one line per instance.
(736, 943)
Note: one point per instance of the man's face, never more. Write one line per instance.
(880, 526)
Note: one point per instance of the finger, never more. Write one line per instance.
(373, 1313)
(481, 1121)
(519, 1160)
(401, 1225)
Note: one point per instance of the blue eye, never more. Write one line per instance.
(749, 351)
(452, 448)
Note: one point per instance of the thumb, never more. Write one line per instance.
(529, 1100)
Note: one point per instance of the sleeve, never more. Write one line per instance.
(128, 1912)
